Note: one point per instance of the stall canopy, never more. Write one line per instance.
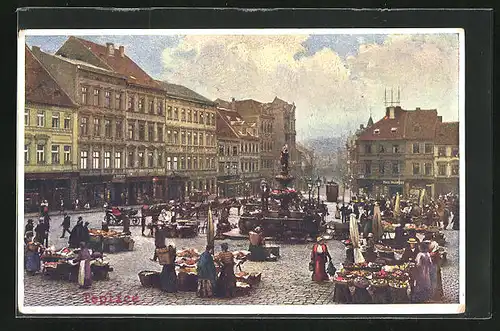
(396, 205)
(354, 232)
(377, 228)
(210, 228)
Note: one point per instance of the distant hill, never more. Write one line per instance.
(324, 146)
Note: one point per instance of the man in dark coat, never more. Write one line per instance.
(66, 225)
(40, 231)
(86, 233)
(76, 234)
(126, 224)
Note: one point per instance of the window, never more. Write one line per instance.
(212, 140)
(40, 154)
(376, 131)
(189, 116)
(160, 159)
(107, 128)
(381, 168)
(195, 116)
(169, 112)
(107, 160)
(202, 118)
(201, 139)
(368, 149)
(395, 149)
(235, 150)
(140, 156)
(176, 137)
(150, 160)
(428, 148)
(151, 132)
(189, 165)
(455, 169)
(97, 93)
(381, 149)
(416, 168)
(40, 119)
(152, 106)
(55, 120)
(119, 129)
(169, 163)
(130, 159)
(195, 138)
(221, 150)
(142, 131)
(67, 123)
(428, 169)
(195, 163)
(416, 148)
(26, 117)
(442, 151)
(394, 130)
(26, 154)
(395, 167)
(118, 100)
(207, 163)
(368, 167)
(141, 104)
(97, 127)
(96, 159)
(183, 137)
(67, 154)
(159, 106)
(169, 137)
(442, 169)
(84, 155)
(175, 163)
(85, 95)
(183, 163)
(207, 118)
(183, 115)
(213, 119)
(176, 113)
(454, 152)
(107, 99)
(212, 163)
(131, 131)
(160, 133)
(131, 101)
(118, 160)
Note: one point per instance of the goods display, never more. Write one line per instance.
(110, 241)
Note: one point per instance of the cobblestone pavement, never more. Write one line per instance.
(287, 281)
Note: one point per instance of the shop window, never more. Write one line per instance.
(84, 155)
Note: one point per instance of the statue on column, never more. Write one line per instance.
(284, 160)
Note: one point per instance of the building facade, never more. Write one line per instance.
(50, 139)
(446, 158)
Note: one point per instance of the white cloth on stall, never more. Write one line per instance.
(354, 233)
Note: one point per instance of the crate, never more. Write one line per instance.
(149, 278)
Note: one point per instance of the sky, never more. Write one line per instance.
(336, 81)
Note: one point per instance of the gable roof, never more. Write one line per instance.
(40, 86)
(224, 129)
(421, 124)
(447, 133)
(122, 65)
(182, 92)
(384, 129)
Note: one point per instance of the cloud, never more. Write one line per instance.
(333, 93)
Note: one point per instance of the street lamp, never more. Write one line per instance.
(318, 184)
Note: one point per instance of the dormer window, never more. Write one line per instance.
(376, 131)
(394, 130)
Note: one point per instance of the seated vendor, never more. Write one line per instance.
(256, 248)
(410, 252)
(370, 255)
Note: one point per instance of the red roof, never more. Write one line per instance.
(40, 86)
(122, 65)
(421, 124)
(447, 133)
(386, 129)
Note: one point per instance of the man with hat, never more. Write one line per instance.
(66, 225)
(76, 234)
(410, 252)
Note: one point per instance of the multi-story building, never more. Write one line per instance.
(446, 157)
(191, 142)
(50, 143)
(249, 157)
(284, 132)
(406, 152)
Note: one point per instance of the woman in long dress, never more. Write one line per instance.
(84, 272)
(422, 289)
(436, 279)
(320, 256)
(226, 284)
(206, 274)
(168, 277)
(32, 255)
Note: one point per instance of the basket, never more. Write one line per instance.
(164, 256)
(379, 283)
(149, 278)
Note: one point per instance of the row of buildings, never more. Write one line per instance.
(406, 151)
(98, 127)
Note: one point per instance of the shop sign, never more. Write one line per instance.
(118, 178)
(391, 182)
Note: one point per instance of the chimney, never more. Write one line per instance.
(233, 104)
(440, 119)
(418, 108)
(122, 51)
(111, 49)
(390, 113)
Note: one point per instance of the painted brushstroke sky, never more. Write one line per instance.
(334, 80)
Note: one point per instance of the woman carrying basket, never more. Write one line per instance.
(226, 284)
(168, 277)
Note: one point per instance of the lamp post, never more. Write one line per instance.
(309, 187)
(318, 185)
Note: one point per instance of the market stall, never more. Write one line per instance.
(60, 265)
(110, 241)
(422, 231)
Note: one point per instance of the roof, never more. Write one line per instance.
(122, 65)
(447, 133)
(81, 63)
(223, 103)
(282, 103)
(40, 86)
(421, 124)
(370, 121)
(224, 129)
(385, 129)
(182, 92)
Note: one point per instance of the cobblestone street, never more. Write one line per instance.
(287, 281)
